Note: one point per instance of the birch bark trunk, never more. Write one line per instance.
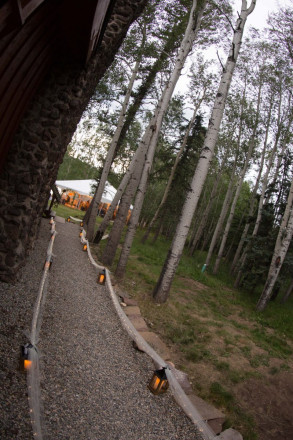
(282, 244)
(204, 217)
(185, 47)
(167, 50)
(221, 219)
(167, 189)
(239, 186)
(116, 231)
(288, 292)
(261, 200)
(163, 286)
(110, 155)
(252, 205)
(138, 158)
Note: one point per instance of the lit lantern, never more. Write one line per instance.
(48, 263)
(68, 219)
(25, 362)
(81, 224)
(84, 247)
(159, 382)
(102, 277)
(80, 234)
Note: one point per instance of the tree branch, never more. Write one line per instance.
(220, 61)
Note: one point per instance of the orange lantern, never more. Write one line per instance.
(48, 264)
(25, 362)
(159, 382)
(84, 247)
(102, 277)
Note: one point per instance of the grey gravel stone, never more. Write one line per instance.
(93, 382)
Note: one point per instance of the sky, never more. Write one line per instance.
(259, 16)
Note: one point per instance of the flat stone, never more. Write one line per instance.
(206, 410)
(156, 343)
(132, 310)
(139, 323)
(129, 301)
(182, 378)
(230, 434)
(212, 415)
(216, 425)
(59, 219)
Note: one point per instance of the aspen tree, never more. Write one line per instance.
(192, 28)
(108, 161)
(163, 286)
(281, 247)
(239, 186)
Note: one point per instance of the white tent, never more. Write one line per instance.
(84, 187)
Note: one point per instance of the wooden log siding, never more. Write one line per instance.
(27, 7)
(23, 64)
(34, 34)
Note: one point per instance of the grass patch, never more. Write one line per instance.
(210, 324)
(65, 211)
(275, 345)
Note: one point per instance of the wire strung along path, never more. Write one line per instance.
(93, 382)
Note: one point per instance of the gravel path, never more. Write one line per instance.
(93, 383)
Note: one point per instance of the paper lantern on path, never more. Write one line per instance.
(84, 247)
(159, 382)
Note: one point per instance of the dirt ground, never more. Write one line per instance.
(270, 402)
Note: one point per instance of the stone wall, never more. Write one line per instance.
(42, 138)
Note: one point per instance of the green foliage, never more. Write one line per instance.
(74, 169)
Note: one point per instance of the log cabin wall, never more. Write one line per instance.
(53, 56)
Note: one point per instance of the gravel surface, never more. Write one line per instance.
(93, 382)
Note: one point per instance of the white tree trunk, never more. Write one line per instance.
(282, 244)
(288, 292)
(138, 158)
(124, 206)
(220, 221)
(204, 216)
(261, 200)
(251, 209)
(168, 186)
(185, 47)
(162, 288)
(109, 158)
(239, 186)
